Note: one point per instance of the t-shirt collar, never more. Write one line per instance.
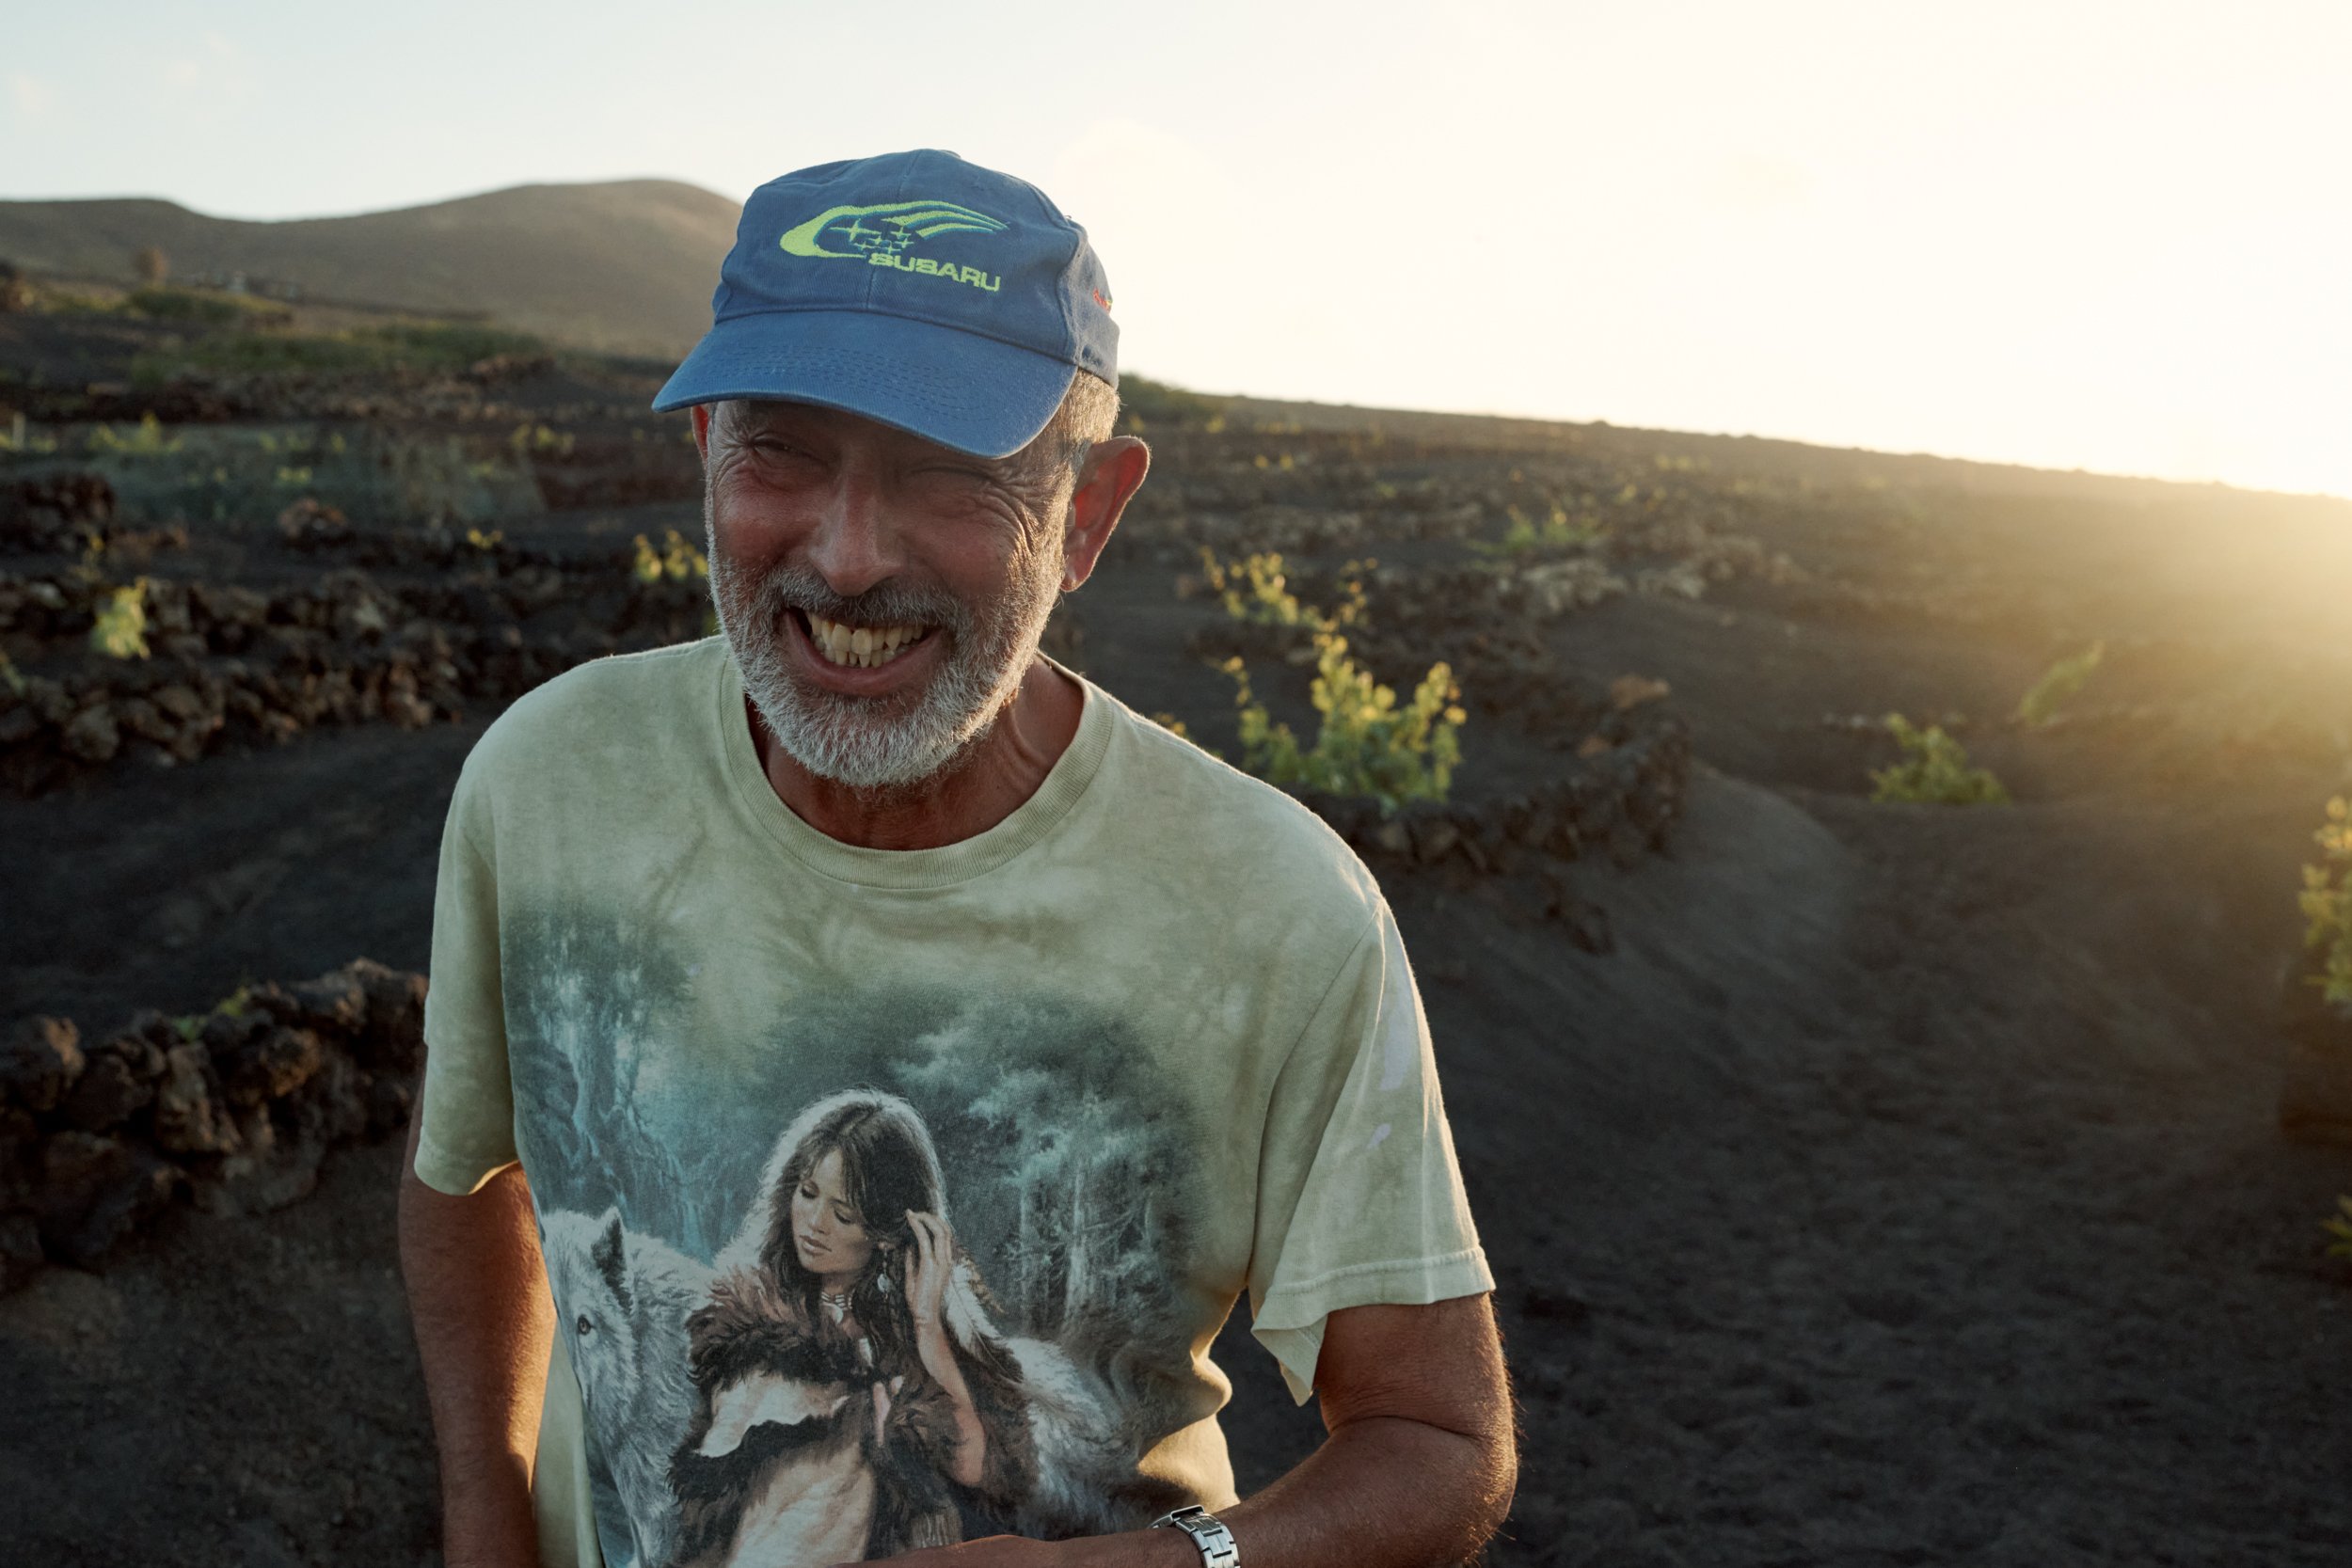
(943, 866)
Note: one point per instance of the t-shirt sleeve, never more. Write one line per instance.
(1360, 1199)
(467, 1111)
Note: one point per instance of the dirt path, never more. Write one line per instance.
(170, 888)
(2001, 1268)
(235, 1391)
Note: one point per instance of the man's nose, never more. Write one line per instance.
(855, 544)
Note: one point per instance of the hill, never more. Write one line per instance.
(625, 266)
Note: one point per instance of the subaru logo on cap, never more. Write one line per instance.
(913, 288)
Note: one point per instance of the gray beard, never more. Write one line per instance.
(883, 744)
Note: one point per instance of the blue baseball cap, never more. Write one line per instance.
(913, 288)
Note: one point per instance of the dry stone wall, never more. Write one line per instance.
(232, 1111)
(230, 665)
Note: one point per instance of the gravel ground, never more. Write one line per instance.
(1903, 1188)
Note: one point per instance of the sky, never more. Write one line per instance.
(2072, 233)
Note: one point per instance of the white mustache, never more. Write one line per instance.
(885, 604)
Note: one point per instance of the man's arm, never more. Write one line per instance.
(1418, 1468)
(1422, 1457)
(479, 1299)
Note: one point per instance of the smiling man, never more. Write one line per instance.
(867, 1062)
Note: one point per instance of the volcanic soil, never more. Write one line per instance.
(1902, 1185)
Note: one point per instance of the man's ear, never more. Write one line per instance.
(1110, 475)
(700, 413)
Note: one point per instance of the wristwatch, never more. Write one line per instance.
(1208, 1532)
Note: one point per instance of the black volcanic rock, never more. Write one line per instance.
(40, 1059)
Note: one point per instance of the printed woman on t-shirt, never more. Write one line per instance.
(853, 1398)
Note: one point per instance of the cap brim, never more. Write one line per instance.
(959, 389)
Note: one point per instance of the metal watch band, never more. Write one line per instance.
(1208, 1532)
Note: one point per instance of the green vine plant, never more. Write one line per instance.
(2039, 705)
(1558, 530)
(190, 1026)
(1368, 744)
(19, 438)
(1934, 771)
(1256, 592)
(121, 629)
(2340, 1226)
(676, 559)
(528, 437)
(147, 440)
(2326, 902)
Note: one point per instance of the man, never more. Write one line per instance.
(867, 1062)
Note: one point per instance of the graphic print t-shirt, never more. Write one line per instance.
(890, 1198)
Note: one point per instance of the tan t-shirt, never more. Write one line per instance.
(889, 1197)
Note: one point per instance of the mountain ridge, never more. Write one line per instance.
(623, 265)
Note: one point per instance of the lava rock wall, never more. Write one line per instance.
(232, 1111)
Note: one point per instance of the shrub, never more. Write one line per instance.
(121, 629)
(1367, 745)
(194, 309)
(443, 346)
(528, 437)
(147, 440)
(1144, 404)
(52, 299)
(2039, 705)
(2340, 1226)
(1558, 530)
(2326, 902)
(452, 345)
(676, 559)
(190, 1026)
(1934, 769)
(21, 438)
(1256, 591)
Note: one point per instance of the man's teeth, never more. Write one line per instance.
(861, 647)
